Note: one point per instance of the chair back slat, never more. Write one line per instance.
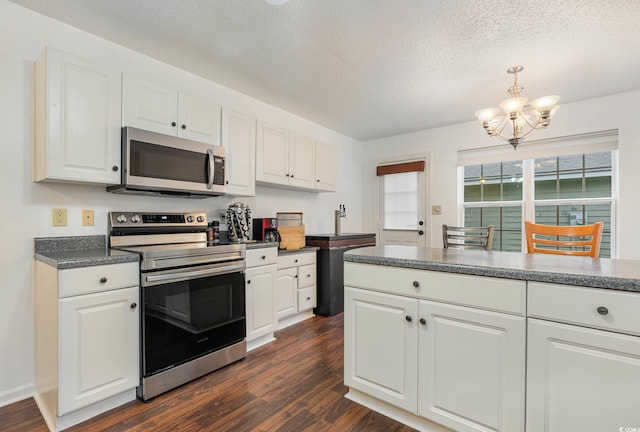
(580, 240)
(467, 237)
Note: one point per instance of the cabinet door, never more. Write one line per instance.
(261, 308)
(78, 116)
(272, 152)
(302, 161)
(581, 379)
(287, 291)
(380, 340)
(239, 138)
(198, 119)
(471, 374)
(99, 347)
(149, 106)
(326, 161)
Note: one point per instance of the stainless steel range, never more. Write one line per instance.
(193, 297)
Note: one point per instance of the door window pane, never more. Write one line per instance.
(400, 195)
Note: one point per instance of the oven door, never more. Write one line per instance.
(161, 162)
(187, 314)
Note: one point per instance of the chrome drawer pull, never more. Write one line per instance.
(416, 284)
(602, 310)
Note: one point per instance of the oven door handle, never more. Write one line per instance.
(186, 275)
(211, 168)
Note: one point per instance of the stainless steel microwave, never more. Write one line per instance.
(157, 164)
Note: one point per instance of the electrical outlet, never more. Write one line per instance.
(436, 210)
(59, 217)
(87, 217)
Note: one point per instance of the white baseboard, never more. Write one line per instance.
(17, 394)
(258, 342)
(295, 319)
(402, 416)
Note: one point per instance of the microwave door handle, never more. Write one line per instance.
(211, 168)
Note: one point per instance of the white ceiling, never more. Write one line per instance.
(375, 68)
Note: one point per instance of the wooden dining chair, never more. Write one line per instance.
(467, 237)
(582, 240)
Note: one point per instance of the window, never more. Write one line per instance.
(562, 190)
(400, 198)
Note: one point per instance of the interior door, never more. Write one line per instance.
(402, 202)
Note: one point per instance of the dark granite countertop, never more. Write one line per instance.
(302, 250)
(569, 270)
(260, 245)
(81, 251)
(344, 236)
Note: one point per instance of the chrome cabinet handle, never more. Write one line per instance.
(602, 310)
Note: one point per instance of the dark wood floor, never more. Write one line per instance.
(293, 384)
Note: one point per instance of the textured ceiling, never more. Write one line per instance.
(374, 68)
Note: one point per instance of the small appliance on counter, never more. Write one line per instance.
(264, 229)
(238, 222)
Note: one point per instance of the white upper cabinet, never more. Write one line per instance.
(239, 138)
(272, 154)
(78, 119)
(291, 160)
(326, 159)
(302, 161)
(158, 108)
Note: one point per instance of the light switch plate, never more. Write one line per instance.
(436, 210)
(87, 217)
(59, 217)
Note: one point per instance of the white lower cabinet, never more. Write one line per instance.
(471, 368)
(296, 285)
(98, 347)
(260, 290)
(581, 378)
(457, 366)
(442, 364)
(87, 340)
(287, 291)
(381, 350)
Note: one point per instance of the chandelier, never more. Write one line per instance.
(520, 120)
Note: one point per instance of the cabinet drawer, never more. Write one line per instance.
(263, 256)
(296, 259)
(87, 280)
(497, 294)
(306, 275)
(306, 298)
(579, 305)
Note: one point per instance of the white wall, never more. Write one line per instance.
(26, 206)
(611, 112)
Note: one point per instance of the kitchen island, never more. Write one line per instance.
(470, 340)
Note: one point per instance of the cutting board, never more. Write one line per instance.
(291, 237)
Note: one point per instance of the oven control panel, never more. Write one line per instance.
(133, 219)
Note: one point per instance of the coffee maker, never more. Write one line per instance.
(264, 229)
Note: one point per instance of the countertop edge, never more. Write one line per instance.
(592, 281)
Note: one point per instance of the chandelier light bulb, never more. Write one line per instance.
(513, 105)
(487, 114)
(545, 103)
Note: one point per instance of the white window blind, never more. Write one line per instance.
(535, 149)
